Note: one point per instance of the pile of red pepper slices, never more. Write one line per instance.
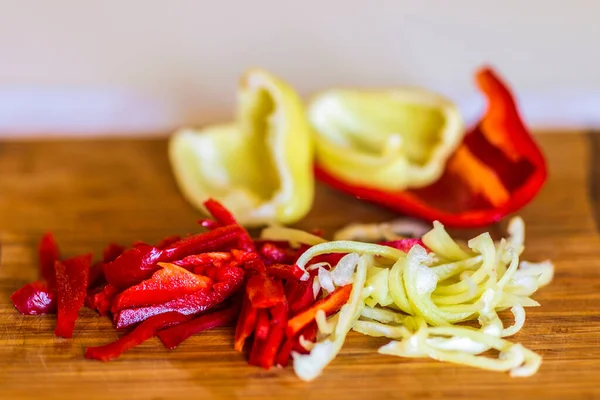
(183, 286)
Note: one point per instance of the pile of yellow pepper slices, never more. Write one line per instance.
(404, 148)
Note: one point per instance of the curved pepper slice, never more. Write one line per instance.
(34, 299)
(386, 140)
(259, 167)
(227, 281)
(497, 170)
(174, 336)
(146, 330)
(166, 284)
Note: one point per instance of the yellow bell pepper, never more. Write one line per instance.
(259, 167)
(388, 139)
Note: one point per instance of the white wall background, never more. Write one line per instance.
(110, 66)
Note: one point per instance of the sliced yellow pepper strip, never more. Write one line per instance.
(390, 139)
(259, 167)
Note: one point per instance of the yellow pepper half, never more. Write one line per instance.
(259, 167)
(388, 139)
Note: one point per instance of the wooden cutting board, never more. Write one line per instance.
(92, 192)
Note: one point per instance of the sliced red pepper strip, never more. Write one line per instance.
(299, 295)
(173, 337)
(329, 304)
(71, 286)
(140, 334)
(264, 291)
(404, 244)
(229, 279)
(272, 253)
(309, 333)
(169, 240)
(102, 299)
(224, 217)
(219, 239)
(204, 259)
(262, 324)
(34, 299)
(168, 283)
(48, 255)
(209, 224)
(245, 324)
(133, 266)
(111, 252)
(269, 347)
(285, 271)
(496, 171)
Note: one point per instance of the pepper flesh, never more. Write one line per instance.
(497, 170)
(71, 285)
(34, 299)
(173, 337)
(227, 282)
(329, 304)
(146, 330)
(391, 139)
(259, 167)
(166, 284)
(48, 255)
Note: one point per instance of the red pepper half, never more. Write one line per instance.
(496, 171)
(34, 299)
(146, 330)
(71, 286)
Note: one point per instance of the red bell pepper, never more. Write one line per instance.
(261, 331)
(285, 271)
(309, 332)
(497, 170)
(140, 334)
(133, 266)
(265, 349)
(245, 324)
(220, 239)
(71, 286)
(226, 283)
(166, 242)
(111, 252)
(168, 283)
(329, 304)
(224, 218)
(204, 259)
(102, 299)
(264, 291)
(299, 295)
(48, 255)
(173, 337)
(34, 299)
(404, 244)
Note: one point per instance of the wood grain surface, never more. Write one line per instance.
(92, 192)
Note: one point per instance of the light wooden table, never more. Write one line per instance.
(92, 192)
